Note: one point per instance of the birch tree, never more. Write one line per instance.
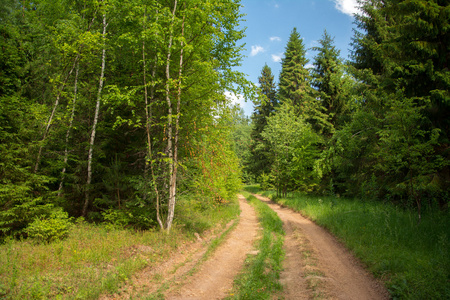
(96, 113)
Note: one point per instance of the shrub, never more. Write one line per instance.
(50, 228)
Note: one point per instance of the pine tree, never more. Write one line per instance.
(401, 60)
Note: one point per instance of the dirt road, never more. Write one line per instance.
(215, 278)
(316, 266)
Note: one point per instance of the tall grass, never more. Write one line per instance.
(413, 259)
(97, 259)
(260, 278)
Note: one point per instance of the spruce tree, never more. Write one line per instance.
(401, 60)
(328, 78)
(295, 84)
(294, 77)
(261, 159)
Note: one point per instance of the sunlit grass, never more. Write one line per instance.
(95, 259)
(412, 258)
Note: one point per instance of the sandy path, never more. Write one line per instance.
(215, 277)
(333, 272)
(316, 265)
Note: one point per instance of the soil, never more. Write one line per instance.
(316, 265)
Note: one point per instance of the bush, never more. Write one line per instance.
(50, 228)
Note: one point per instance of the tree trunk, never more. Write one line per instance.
(52, 115)
(72, 115)
(169, 151)
(94, 125)
(173, 181)
(148, 115)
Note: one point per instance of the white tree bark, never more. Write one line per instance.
(169, 150)
(52, 115)
(173, 180)
(94, 125)
(148, 114)
(72, 115)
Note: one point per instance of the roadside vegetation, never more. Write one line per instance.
(260, 278)
(410, 257)
(98, 259)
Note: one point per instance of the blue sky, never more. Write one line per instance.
(270, 22)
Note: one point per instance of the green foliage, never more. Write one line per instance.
(333, 86)
(49, 86)
(51, 228)
(95, 260)
(294, 86)
(295, 146)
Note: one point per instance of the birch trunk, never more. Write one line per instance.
(173, 185)
(148, 115)
(169, 151)
(72, 115)
(94, 125)
(52, 115)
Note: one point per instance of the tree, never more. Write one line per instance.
(96, 116)
(296, 147)
(261, 155)
(113, 113)
(400, 66)
(330, 81)
(295, 83)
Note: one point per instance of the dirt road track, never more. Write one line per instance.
(316, 266)
(333, 273)
(215, 278)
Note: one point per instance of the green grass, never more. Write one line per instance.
(260, 278)
(94, 259)
(413, 259)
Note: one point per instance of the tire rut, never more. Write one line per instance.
(332, 271)
(215, 277)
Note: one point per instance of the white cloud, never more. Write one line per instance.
(275, 38)
(276, 57)
(238, 99)
(256, 49)
(309, 66)
(348, 7)
(235, 98)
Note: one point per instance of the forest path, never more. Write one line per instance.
(214, 280)
(317, 265)
(186, 276)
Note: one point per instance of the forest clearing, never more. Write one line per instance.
(124, 144)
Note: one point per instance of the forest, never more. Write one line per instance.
(375, 127)
(113, 111)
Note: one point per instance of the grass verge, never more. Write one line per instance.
(95, 259)
(412, 258)
(260, 278)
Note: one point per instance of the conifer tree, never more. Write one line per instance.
(394, 141)
(328, 78)
(261, 158)
(294, 77)
(295, 84)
